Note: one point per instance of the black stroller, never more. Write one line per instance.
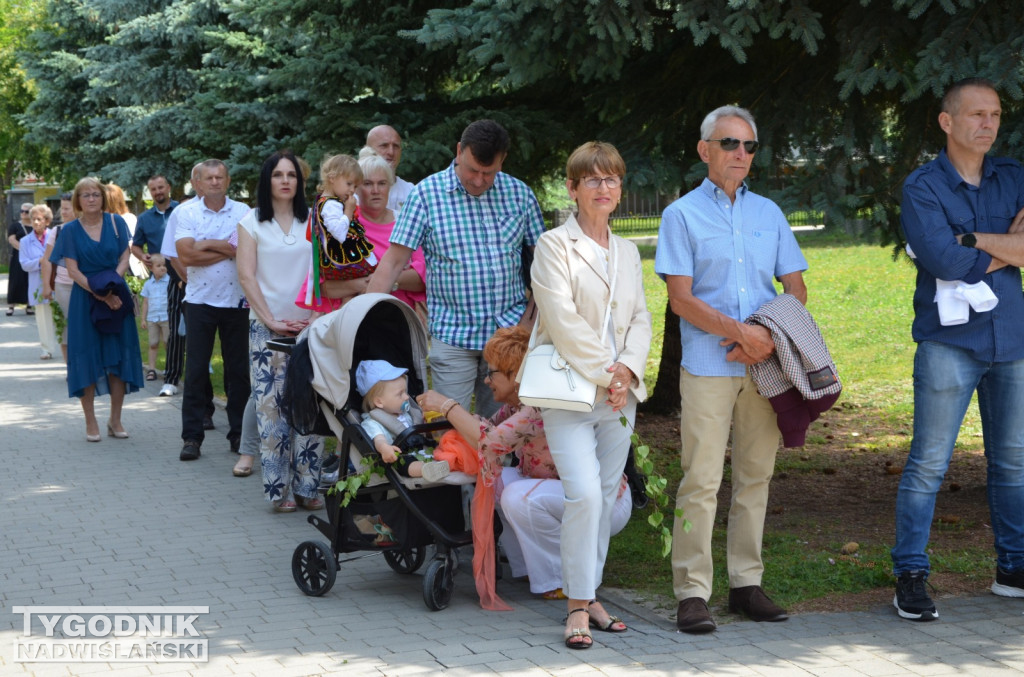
(394, 515)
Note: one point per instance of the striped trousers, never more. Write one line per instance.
(175, 363)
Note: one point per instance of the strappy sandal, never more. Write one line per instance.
(151, 375)
(578, 638)
(607, 627)
(284, 505)
(310, 503)
(554, 594)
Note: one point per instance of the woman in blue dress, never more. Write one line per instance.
(103, 342)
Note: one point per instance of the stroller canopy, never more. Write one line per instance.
(368, 327)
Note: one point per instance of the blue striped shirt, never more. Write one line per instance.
(732, 250)
(473, 247)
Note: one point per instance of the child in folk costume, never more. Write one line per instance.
(340, 248)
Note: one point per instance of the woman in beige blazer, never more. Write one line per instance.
(579, 269)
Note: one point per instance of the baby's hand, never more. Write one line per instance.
(390, 454)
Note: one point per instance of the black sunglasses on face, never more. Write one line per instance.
(729, 143)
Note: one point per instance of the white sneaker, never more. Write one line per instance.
(168, 389)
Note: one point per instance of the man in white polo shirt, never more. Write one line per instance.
(214, 305)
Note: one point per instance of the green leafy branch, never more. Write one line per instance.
(654, 487)
(350, 484)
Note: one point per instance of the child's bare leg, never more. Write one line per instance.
(153, 355)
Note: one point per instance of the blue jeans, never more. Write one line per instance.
(945, 378)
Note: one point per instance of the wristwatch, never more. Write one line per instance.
(969, 240)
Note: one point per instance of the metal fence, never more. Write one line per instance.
(640, 215)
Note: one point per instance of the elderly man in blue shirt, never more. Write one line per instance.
(720, 247)
(958, 215)
(473, 221)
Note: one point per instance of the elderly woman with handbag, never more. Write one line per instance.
(588, 286)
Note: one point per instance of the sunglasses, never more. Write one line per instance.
(729, 143)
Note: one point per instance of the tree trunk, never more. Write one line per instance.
(665, 398)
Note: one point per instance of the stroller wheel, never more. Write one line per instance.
(438, 584)
(314, 568)
(406, 561)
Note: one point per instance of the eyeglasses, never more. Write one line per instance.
(492, 372)
(91, 196)
(595, 181)
(26, 211)
(729, 143)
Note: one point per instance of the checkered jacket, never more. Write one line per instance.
(801, 358)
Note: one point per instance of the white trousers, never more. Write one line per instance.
(531, 511)
(47, 329)
(589, 450)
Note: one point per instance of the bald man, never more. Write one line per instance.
(388, 144)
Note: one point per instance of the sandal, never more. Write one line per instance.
(10, 311)
(285, 505)
(553, 594)
(609, 626)
(578, 638)
(311, 503)
(151, 374)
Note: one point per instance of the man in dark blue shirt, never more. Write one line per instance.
(960, 217)
(149, 233)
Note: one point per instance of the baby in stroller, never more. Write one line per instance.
(387, 412)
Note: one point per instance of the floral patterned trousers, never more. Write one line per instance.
(290, 462)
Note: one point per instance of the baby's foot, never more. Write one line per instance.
(435, 471)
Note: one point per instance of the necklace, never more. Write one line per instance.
(286, 237)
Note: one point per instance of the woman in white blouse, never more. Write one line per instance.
(273, 259)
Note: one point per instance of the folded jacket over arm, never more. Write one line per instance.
(799, 378)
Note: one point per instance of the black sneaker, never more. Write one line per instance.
(190, 451)
(236, 444)
(1009, 584)
(912, 600)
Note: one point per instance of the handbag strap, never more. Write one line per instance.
(612, 275)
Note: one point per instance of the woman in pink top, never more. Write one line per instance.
(379, 221)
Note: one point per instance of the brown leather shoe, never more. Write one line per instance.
(752, 601)
(693, 616)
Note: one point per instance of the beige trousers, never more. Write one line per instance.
(710, 404)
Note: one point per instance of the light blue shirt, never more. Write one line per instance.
(733, 251)
(156, 291)
(473, 247)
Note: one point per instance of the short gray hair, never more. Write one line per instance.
(371, 162)
(707, 128)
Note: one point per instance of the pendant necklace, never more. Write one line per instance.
(287, 238)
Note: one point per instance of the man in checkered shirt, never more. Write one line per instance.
(720, 248)
(473, 222)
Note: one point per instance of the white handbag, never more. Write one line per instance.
(551, 382)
